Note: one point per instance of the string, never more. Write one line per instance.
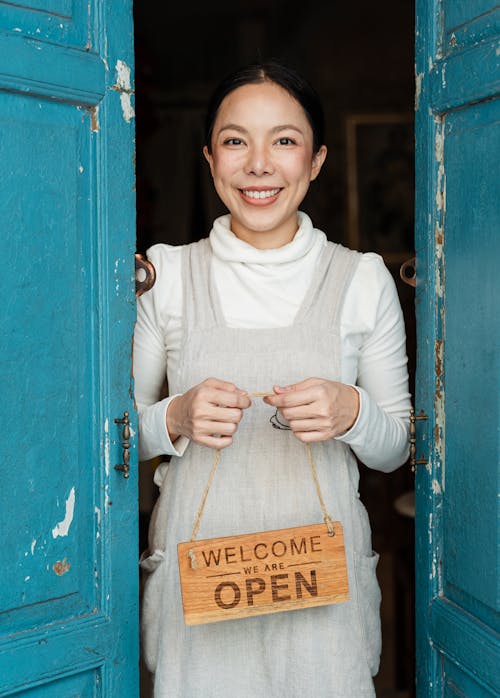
(278, 425)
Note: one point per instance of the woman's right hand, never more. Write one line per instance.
(208, 414)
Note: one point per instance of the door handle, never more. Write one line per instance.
(408, 272)
(145, 275)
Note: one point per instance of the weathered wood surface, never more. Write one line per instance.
(259, 573)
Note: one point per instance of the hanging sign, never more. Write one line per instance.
(259, 573)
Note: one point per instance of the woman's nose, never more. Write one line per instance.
(259, 162)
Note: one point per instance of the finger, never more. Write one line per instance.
(217, 442)
(212, 428)
(224, 414)
(301, 412)
(223, 398)
(308, 437)
(220, 384)
(294, 398)
(301, 385)
(303, 425)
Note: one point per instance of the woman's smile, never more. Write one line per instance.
(256, 196)
(262, 162)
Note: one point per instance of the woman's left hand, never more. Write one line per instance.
(317, 409)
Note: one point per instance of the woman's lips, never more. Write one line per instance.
(260, 197)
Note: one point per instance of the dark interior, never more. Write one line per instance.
(359, 57)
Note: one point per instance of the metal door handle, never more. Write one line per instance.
(145, 275)
(408, 272)
(125, 466)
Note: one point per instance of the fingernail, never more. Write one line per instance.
(283, 388)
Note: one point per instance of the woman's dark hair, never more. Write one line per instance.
(281, 75)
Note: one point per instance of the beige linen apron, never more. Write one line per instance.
(263, 482)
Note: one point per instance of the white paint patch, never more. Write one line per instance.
(33, 543)
(436, 487)
(62, 527)
(106, 445)
(124, 88)
(17, 29)
(26, 579)
(80, 169)
(98, 514)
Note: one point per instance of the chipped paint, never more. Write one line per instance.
(418, 89)
(94, 119)
(33, 544)
(62, 528)
(26, 579)
(106, 445)
(123, 86)
(436, 487)
(61, 567)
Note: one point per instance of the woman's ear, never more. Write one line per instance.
(209, 159)
(317, 162)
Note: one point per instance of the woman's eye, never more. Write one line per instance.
(286, 141)
(233, 141)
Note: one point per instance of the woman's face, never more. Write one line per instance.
(262, 162)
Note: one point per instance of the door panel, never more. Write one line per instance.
(68, 599)
(458, 318)
(65, 22)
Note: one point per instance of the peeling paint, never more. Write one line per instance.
(26, 579)
(61, 567)
(33, 544)
(98, 514)
(123, 86)
(106, 445)
(436, 487)
(94, 119)
(418, 89)
(63, 526)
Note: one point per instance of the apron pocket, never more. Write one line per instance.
(369, 597)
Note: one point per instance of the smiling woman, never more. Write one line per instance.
(266, 303)
(262, 162)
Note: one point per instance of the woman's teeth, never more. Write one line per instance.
(260, 194)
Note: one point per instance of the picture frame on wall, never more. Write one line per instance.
(380, 184)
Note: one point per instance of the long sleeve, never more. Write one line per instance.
(379, 437)
(151, 356)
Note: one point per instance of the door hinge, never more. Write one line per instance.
(125, 466)
(413, 439)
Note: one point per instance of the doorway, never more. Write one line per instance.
(359, 57)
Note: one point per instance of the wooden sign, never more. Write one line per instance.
(259, 573)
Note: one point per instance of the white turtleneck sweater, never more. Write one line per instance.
(264, 289)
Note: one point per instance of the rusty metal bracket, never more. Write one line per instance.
(413, 439)
(145, 275)
(125, 466)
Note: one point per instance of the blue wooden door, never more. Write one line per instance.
(458, 374)
(68, 558)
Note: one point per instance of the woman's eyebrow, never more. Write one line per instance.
(286, 127)
(275, 129)
(232, 127)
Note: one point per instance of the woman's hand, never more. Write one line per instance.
(208, 414)
(317, 409)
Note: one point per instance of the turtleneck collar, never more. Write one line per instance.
(227, 247)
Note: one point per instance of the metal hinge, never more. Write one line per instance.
(125, 466)
(413, 439)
